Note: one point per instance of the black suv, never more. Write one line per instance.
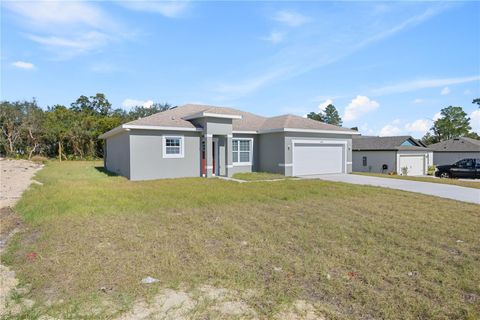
(465, 168)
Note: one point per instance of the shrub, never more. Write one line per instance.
(431, 170)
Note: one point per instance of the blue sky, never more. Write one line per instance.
(388, 67)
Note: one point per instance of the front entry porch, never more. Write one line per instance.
(216, 155)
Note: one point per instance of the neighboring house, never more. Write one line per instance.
(450, 151)
(390, 154)
(199, 140)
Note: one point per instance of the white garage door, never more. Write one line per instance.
(414, 165)
(315, 158)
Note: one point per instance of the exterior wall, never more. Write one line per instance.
(271, 151)
(217, 126)
(375, 161)
(288, 146)
(118, 154)
(440, 158)
(413, 153)
(146, 155)
(236, 168)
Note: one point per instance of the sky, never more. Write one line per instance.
(388, 67)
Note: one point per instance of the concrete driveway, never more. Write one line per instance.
(434, 189)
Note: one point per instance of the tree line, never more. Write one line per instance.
(452, 123)
(60, 131)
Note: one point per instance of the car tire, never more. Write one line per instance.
(445, 174)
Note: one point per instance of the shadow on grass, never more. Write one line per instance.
(106, 172)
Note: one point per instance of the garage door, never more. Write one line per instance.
(315, 158)
(414, 165)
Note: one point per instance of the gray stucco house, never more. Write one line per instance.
(450, 151)
(200, 140)
(390, 154)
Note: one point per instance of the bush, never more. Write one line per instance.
(431, 170)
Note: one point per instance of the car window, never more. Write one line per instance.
(477, 163)
(465, 163)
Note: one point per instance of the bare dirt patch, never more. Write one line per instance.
(15, 177)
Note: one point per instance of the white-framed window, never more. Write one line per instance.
(173, 147)
(242, 151)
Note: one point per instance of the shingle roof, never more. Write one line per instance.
(248, 122)
(457, 145)
(383, 143)
(292, 121)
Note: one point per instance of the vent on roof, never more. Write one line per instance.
(173, 118)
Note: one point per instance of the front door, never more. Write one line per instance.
(215, 162)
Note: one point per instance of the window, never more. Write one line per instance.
(364, 160)
(465, 164)
(408, 143)
(173, 147)
(242, 151)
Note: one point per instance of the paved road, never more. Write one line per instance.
(434, 189)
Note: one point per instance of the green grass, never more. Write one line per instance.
(352, 251)
(258, 176)
(461, 183)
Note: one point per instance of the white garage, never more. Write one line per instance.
(414, 164)
(318, 157)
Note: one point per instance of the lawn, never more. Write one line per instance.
(456, 182)
(352, 252)
(258, 176)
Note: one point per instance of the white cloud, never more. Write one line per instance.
(389, 130)
(467, 91)
(76, 44)
(418, 126)
(445, 91)
(66, 28)
(305, 53)
(170, 9)
(418, 100)
(323, 105)
(291, 18)
(274, 37)
(422, 84)
(49, 13)
(130, 103)
(475, 120)
(437, 116)
(358, 107)
(23, 65)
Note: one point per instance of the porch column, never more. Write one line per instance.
(228, 156)
(208, 154)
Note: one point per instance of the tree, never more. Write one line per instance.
(11, 118)
(33, 127)
(453, 123)
(476, 101)
(141, 111)
(59, 123)
(331, 115)
(316, 116)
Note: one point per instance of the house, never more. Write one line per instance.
(390, 154)
(450, 151)
(201, 140)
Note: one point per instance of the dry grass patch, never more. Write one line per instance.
(348, 251)
(456, 182)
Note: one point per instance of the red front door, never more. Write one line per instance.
(204, 160)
